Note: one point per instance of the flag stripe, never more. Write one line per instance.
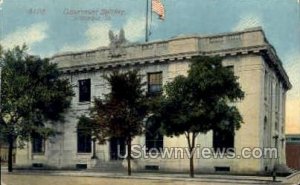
(158, 8)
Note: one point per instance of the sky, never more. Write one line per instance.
(54, 26)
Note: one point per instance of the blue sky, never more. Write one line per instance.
(48, 27)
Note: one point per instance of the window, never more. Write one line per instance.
(154, 139)
(154, 83)
(84, 140)
(271, 91)
(266, 80)
(277, 97)
(223, 139)
(38, 143)
(117, 148)
(84, 90)
(265, 123)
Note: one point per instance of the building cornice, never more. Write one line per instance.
(162, 59)
(250, 41)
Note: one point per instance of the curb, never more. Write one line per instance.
(177, 177)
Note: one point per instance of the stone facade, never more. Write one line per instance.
(254, 61)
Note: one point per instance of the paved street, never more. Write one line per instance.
(60, 180)
(67, 180)
(96, 178)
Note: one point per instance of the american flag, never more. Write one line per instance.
(158, 8)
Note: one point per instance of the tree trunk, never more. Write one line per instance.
(191, 144)
(192, 173)
(10, 153)
(129, 157)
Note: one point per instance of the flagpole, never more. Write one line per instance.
(147, 26)
(150, 27)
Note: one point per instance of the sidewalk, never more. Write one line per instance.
(293, 178)
(226, 179)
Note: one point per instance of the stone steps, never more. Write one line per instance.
(108, 166)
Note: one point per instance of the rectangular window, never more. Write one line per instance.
(84, 90)
(277, 97)
(154, 83)
(266, 85)
(154, 142)
(223, 139)
(38, 144)
(84, 141)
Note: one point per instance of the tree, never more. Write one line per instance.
(122, 111)
(33, 96)
(199, 102)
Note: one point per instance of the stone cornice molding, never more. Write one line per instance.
(250, 41)
(163, 58)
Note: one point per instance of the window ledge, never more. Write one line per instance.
(84, 103)
(38, 154)
(83, 153)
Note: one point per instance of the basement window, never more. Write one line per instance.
(37, 165)
(222, 169)
(81, 166)
(152, 167)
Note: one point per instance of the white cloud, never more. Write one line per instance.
(135, 28)
(97, 34)
(28, 35)
(248, 21)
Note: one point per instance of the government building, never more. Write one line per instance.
(248, 53)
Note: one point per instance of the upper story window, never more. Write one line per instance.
(84, 90)
(155, 83)
(38, 144)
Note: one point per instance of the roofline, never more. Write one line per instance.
(254, 29)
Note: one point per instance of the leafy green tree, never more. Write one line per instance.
(33, 96)
(122, 111)
(200, 102)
